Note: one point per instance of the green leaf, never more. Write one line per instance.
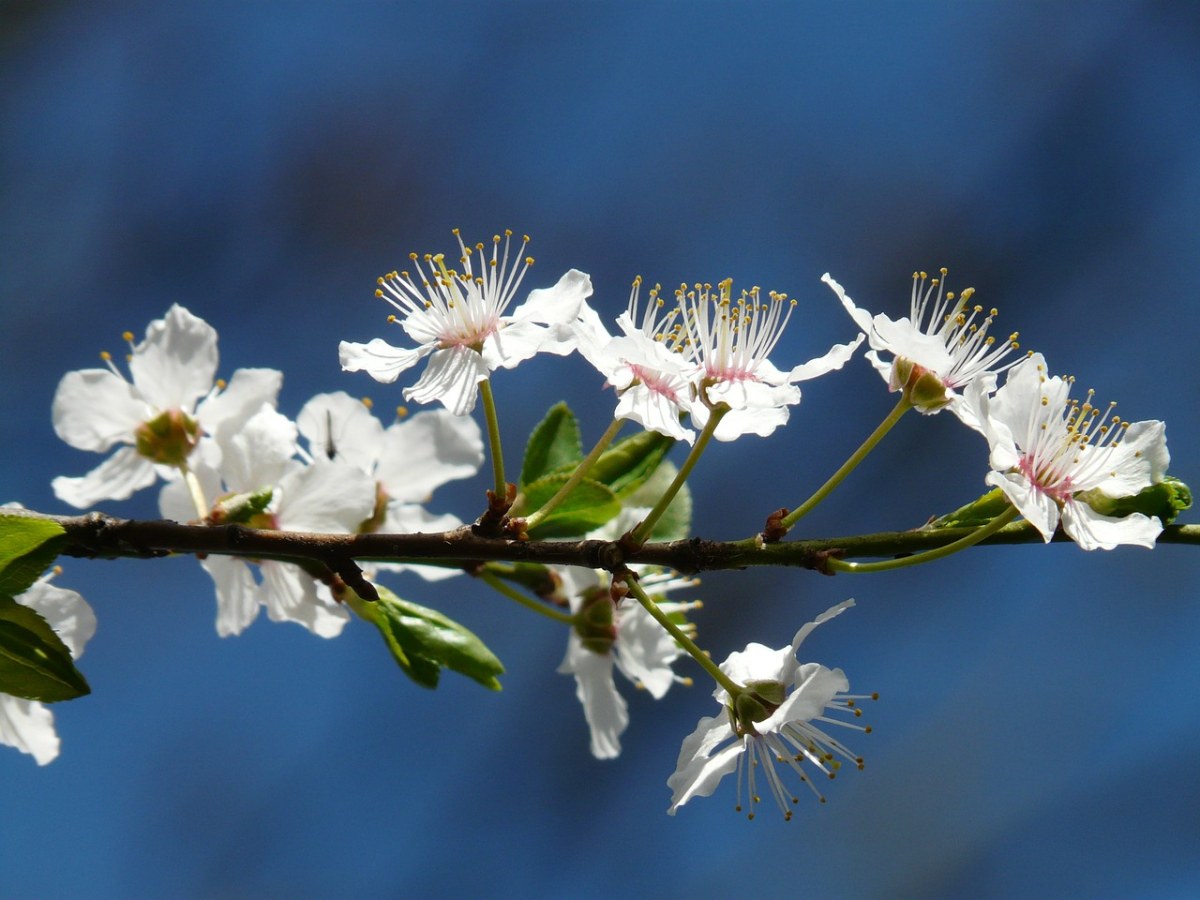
(554, 444)
(34, 662)
(627, 465)
(588, 506)
(423, 642)
(1166, 500)
(676, 522)
(28, 546)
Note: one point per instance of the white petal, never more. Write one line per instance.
(292, 596)
(1093, 531)
(379, 359)
(838, 356)
(117, 478)
(452, 376)
(1038, 508)
(258, 453)
(696, 774)
(605, 710)
(831, 613)
(422, 453)
(756, 663)
(331, 497)
(245, 394)
(65, 611)
(94, 409)
(558, 305)
(645, 651)
(175, 499)
(861, 317)
(815, 686)
(237, 593)
(28, 726)
(338, 426)
(176, 364)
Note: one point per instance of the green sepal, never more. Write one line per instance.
(34, 662)
(553, 444)
(423, 641)
(676, 522)
(1166, 500)
(588, 506)
(630, 462)
(28, 545)
(976, 513)
(238, 509)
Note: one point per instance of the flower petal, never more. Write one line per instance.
(605, 710)
(28, 726)
(237, 593)
(337, 425)
(452, 377)
(94, 409)
(292, 596)
(696, 773)
(379, 359)
(838, 356)
(117, 478)
(1093, 531)
(245, 394)
(176, 364)
(1038, 508)
(424, 452)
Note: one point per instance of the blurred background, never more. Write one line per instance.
(262, 163)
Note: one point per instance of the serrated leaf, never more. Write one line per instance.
(424, 641)
(28, 546)
(676, 522)
(34, 662)
(553, 444)
(627, 465)
(588, 506)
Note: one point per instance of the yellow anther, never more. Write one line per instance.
(127, 337)
(106, 356)
(401, 412)
(367, 402)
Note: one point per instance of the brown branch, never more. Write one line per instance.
(96, 535)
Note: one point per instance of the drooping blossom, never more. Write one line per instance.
(729, 341)
(408, 460)
(624, 637)
(159, 416)
(647, 364)
(458, 320)
(1054, 457)
(326, 496)
(780, 717)
(28, 725)
(938, 349)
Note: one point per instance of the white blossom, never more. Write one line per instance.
(1050, 455)
(622, 637)
(160, 416)
(729, 341)
(938, 349)
(779, 717)
(458, 320)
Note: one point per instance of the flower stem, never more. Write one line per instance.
(195, 490)
(902, 406)
(493, 427)
(682, 639)
(638, 536)
(962, 543)
(577, 476)
(528, 602)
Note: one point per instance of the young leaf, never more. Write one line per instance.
(626, 465)
(423, 642)
(1166, 500)
(34, 662)
(976, 513)
(28, 546)
(676, 522)
(554, 444)
(588, 506)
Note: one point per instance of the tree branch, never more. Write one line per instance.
(99, 536)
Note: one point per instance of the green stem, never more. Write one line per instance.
(493, 427)
(577, 476)
(962, 543)
(528, 602)
(639, 535)
(682, 639)
(902, 406)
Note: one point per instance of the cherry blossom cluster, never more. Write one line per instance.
(691, 366)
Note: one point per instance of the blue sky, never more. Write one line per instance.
(262, 164)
